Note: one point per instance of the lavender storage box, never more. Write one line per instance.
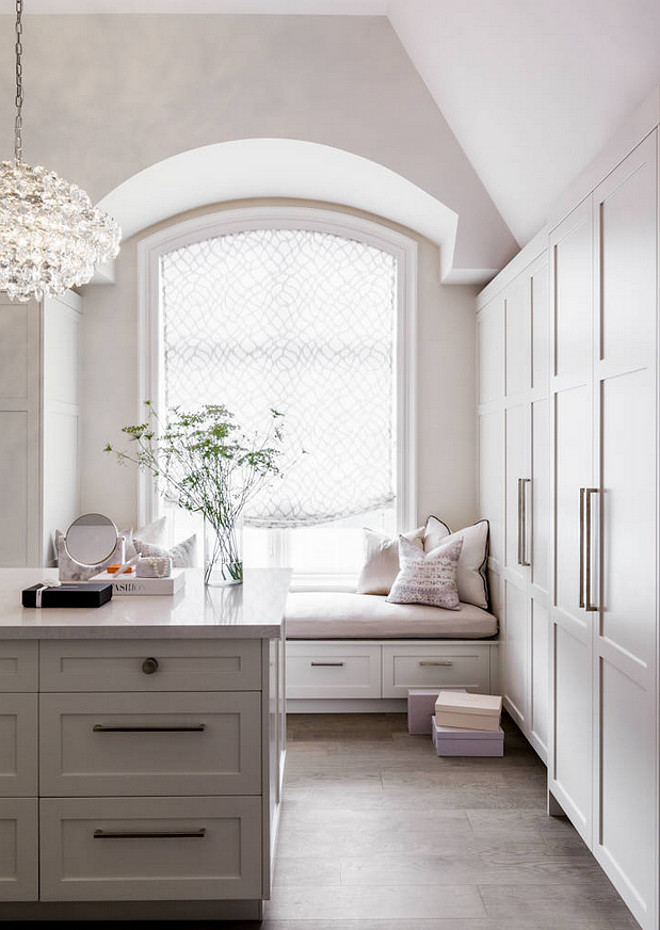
(421, 707)
(454, 741)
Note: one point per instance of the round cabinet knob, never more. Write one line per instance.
(149, 666)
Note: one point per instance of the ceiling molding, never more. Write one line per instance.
(187, 7)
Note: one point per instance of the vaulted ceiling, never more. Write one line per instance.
(532, 89)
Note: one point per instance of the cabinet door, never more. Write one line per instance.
(490, 327)
(625, 208)
(518, 315)
(515, 652)
(518, 490)
(491, 480)
(570, 773)
(19, 852)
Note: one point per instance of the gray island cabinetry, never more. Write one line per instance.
(142, 747)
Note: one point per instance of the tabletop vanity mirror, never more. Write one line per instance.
(90, 544)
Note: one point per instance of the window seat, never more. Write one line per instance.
(342, 615)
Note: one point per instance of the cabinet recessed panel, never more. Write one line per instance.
(572, 726)
(540, 694)
(540, 328)
(491, 478)
(15, 466)
(18, 745)
(19, 855)
(573, 297)
(514, 651)
(518, 337)
(518, 490)
(14, 351)
(541, 519)
(627, 787)
(491, 352)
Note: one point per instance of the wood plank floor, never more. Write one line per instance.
(378, 833)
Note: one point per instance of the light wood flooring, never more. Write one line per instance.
(378, 833)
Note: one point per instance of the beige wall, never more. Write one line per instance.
(108, 96)
(446, 453)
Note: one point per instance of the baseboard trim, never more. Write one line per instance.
(346, 706)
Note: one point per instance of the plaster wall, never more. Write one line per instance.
(107, 96)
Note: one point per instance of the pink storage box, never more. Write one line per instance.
(421, 708)
(454, 741)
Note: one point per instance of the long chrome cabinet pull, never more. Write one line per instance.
(524, 484)
(195, 728)
(582, 493)
(327, 664)
(588, 605)
(447, 663)
(149, 834)
(520, 530)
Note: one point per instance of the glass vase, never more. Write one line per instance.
(222, 554)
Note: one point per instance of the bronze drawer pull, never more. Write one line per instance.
(447, 662)
(195, 728)
(327, 664)
(149, 834)
(150, 665)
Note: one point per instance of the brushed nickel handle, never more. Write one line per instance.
(582, 495)
(194, 728)
(519, 521)
(524, 483)
(149, 666)
(149, 834)
(326, 664)
(444, 663)
(589, 605)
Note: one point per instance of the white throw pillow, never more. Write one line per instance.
(471, 573)
(183, 555)
(381, 560)
(427, 577)
(151, 533)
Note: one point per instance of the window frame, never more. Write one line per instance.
(222, 222)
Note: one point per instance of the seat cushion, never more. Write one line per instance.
(340, 615)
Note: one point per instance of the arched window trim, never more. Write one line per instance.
(404, 250)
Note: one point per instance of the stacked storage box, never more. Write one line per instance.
(467, 724)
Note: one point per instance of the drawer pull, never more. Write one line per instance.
(149, 834)
(446, 662)
(149, 666)
(326, 664)
(195, 728)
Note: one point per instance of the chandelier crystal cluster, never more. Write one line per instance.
(51, 235)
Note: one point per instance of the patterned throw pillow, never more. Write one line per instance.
(427, 577)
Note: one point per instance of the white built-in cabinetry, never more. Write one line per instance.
(568, 435)
(39, 425)
(604, 260)
(514, 462)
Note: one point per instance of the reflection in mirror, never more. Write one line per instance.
(91, 539)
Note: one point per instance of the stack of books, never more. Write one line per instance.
(467, 724)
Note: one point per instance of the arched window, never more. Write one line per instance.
(310, 313)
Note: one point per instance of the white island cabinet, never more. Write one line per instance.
(142, 748)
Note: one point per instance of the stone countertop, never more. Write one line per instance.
(253, 610)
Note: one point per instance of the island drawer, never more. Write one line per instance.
(19, 665)
(18, 746)
(150, 849)
(151, 665)
(19, 850)
(150, 744)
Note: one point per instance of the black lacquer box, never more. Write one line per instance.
(73, 594)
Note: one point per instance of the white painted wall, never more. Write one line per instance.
(446, 399)
(108, 96)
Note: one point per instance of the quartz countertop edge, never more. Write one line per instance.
(252, 610)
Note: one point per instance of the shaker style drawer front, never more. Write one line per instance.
(18, 745)
(151, 665)
(150, 744)
(19, 855)
(448, 666)
(326, 670)
(19, 666)
(131, 849)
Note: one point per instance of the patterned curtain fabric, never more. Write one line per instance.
(304, 322)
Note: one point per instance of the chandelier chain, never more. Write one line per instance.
(18, 125)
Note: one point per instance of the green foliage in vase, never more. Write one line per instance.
(203, 461)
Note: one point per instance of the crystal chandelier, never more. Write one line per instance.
(51, 235)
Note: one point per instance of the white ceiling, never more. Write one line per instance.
(531, 88)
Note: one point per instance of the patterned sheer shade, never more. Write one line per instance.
(303, 322)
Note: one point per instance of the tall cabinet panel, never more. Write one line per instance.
(39, 425)
(515, 423)
(603, 768)
(624, 553)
